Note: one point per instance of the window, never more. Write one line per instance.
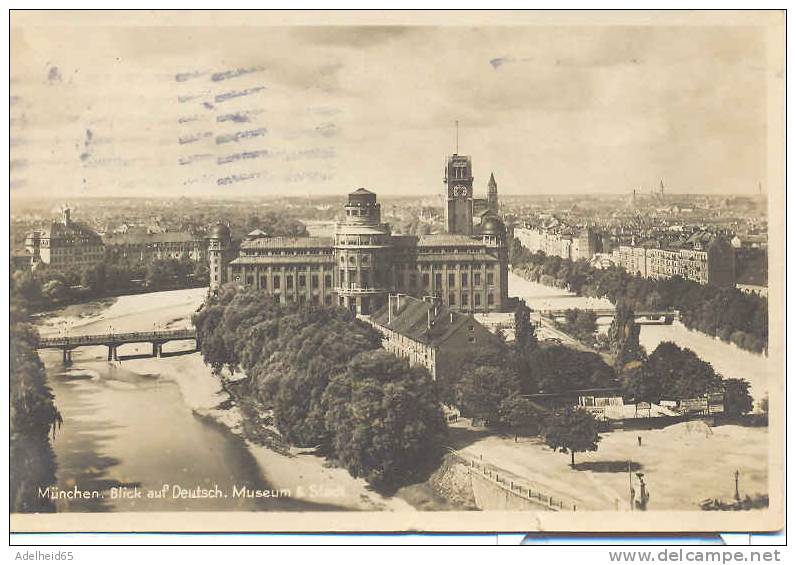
(451, 280)
(452, 299)
(465, 299)
(437, 280)
(425, 280)
(476, 279)
(327, 281)
(490, 299)
(477, 299)
(289, 282)
(302, 281)
(365, 279)
(315, 281)
(464, 280)
(342, 277)
(327, 299)
(490, 279)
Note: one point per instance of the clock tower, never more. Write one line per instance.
(459, 195)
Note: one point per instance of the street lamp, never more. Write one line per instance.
(737, 493)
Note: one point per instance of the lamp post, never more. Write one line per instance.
(737, 493)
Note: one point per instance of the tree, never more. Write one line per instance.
(524, 333)
(55, 291)
(558, 368)
(571, 430)
(680, 373)
(737, 400)
(519, 415)
(385, 420)
(25, 288)
(638, 383)
(32, 417)
(481, 390)
(624, 335)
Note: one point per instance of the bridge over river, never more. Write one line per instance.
(114, 340)
(642, 316)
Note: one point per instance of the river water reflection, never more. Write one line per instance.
(123, 428)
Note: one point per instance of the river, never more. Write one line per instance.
(147, 423)
(728, 359)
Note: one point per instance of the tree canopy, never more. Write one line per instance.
(570, 431)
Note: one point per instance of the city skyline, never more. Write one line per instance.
(597, 109)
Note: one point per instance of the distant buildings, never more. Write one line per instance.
(427, 333)
(143, 247)
(65, 244)
(582, 245)
(702, 257)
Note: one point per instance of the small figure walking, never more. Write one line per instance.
(639, 441)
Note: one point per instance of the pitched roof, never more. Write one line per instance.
(284, 260)
(448, 240)
(288, 243)
(134, 238)
(411, 320)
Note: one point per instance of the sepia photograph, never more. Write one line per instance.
(390, 271)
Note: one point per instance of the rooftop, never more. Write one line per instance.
(411, 319)
(284, 242)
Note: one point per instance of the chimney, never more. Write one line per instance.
(389, 308)
(428, 312)
(397, 303)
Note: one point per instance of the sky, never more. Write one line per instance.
(258, 110)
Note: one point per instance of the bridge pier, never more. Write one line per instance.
(67, 356)
(112, 354)
(157, 349)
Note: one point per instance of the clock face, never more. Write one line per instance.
(460, 190)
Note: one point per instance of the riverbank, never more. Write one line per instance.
(308, 476)
(727, 359)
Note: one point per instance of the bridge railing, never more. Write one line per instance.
(126, 337)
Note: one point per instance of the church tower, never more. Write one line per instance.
(491, 194)
(459, 195)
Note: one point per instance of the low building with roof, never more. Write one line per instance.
(428, 333)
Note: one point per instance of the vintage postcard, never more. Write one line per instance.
(435, 271)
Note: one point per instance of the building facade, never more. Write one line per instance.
(365, 262)
(701, 258)
(582, 245)
(710, 263)
(428, 334)
(147, 247)
(65, 244)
